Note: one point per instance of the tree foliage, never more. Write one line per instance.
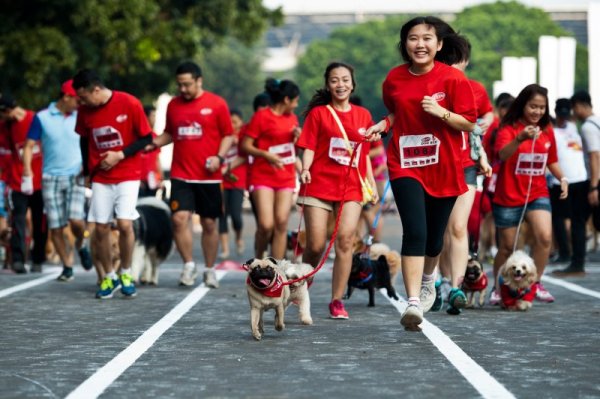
(134, 44)
(495, 30)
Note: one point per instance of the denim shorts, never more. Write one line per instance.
(471, 175)
(509, 216)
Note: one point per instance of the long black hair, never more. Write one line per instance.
(516, 110)
(455, 47)
(323, 96)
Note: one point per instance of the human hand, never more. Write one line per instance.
(110, 159)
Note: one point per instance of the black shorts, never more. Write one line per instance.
(206, 199)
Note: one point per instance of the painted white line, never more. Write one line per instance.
(480, 379)
(570, 286)
(105, 376)
(29, 284)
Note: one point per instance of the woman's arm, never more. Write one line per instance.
(554, 168)
(508, 150)
(455, 121)
(308, 157)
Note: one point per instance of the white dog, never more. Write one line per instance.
(516, 281)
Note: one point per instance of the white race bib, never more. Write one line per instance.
(419, 150)
(107, 137)
(192, 132)
(231, 154)
(36, 151)
(338, 151)
(530, 164)
(285, 152)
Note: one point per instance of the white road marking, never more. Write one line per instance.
(105, 376)
(38, 281)
(476, 375)
(570, 286)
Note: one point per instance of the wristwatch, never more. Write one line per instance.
(446, 116)
(221, 159)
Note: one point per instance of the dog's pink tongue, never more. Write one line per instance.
(264, 281)
(518, 278)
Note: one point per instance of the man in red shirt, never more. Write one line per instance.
(23, 192)
(199, 126)
(113, 129)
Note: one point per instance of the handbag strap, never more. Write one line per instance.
(346, 141)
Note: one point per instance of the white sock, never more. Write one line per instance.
(189, 265)
(428, 277)
(125, 271)
(414, 300)
(112, 275)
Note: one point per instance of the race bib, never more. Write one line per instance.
(530, 164)
(36, 151)
(107, 137)
(338, 151)
(192, 132)
(285, 152)
(419, 150)
(231, 154)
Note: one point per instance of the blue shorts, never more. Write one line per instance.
(2, 203)
(509, 216)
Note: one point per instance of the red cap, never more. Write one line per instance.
(67, 88)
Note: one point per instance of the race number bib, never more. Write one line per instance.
(192, 132)
(419, 150)
(107, 137)
(338, 151)
(285, 152)
(36, 151)
(531, 164)
(231, 154)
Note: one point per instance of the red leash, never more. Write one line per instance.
(337, 222)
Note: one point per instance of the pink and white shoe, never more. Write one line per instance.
(337, 310)
(495, 298)
(542, 294)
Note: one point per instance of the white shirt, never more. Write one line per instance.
(570, 153)
(590, 130)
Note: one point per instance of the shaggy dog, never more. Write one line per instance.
(296, 242)
(371, 273)
(516, 281)
(153, 239)
(475, 281)
(267, 289)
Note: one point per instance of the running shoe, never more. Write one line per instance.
(457, 300)
(570, 271)
(86, 258)
(412, 317)
(427, 295)
(108, 287)
(210, 279)
(337, 310)
(495, 298)
(542, 293)
(127, 285)
(188, 275)
(439, 300)
(66, 275)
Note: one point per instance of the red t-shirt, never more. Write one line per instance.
(17, 137)
(275, 134)
(113, 127)
(5, 152)
(431, 150)
(149, 168)
(197, 128)
(514, 174)
(329, 169)
(483, 104)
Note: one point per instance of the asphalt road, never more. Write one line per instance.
(57, 340)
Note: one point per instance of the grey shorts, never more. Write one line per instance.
(64, 200)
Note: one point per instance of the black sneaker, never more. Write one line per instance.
(66, 275)
(86, 258)
(439, 300)
(19, 268)
(569, 271)
(36, 268)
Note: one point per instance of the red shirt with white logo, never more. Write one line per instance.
(483, 104)
(329, 170)
(17, 137)
(197, 128)
(113, 127)
(515, 172)
(423, 146)
(275, 134)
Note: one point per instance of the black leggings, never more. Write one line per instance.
(233, 199)
(424, 218)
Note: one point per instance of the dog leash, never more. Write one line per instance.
(337, 222)
(526, 200)
(300, 222)
(370, 237)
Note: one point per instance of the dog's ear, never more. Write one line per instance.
(272, 260)
(531, 274)
(246, 264)
(505, 272)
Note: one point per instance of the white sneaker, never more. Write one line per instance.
(412, 317)
(188, 275)
(210, 279)
(427, 295)
(445, 288)
(495, 298)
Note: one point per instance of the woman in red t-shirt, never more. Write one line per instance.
(325, 176)
(432, 103)
(270, 138)
(525, 145)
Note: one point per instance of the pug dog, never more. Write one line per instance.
(475, 281)
(516, 280)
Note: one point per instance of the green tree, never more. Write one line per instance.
(134, 44)
(494, 30)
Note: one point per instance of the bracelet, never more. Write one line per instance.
(564, 179)
(304, 170)
(221, 159)
(388, 124)
(593, 188)
(446, 116)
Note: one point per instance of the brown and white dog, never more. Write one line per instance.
(474, 282)
(267, 289)
(516, 281)
(393, 258)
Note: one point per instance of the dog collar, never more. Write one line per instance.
(274, 290)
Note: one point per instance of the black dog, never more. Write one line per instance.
(370, 275)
